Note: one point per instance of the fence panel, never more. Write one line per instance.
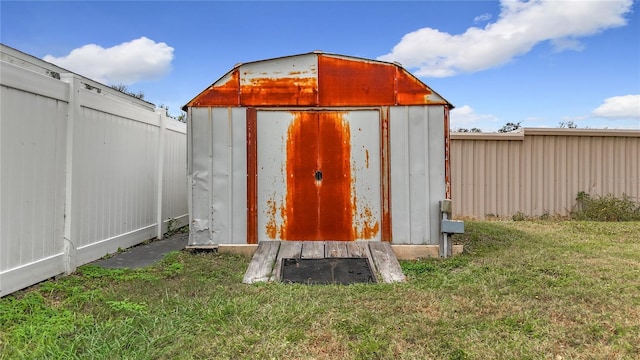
(541, 171)
(32, 179)
(174, 204)
(84, 170)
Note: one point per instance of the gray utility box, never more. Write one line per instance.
(452, 227)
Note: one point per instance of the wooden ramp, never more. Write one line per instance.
(266, 264)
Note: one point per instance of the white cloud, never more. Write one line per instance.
(619, 107)
(482, 18)
(126, 63)
(466, 117)
(520, 26)
(567, 44)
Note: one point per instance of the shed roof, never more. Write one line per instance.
(317, 79)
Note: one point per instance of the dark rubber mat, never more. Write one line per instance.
(327, 271)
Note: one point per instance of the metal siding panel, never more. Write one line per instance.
(400, 197)
(437, 185)
(418, 186)
(366, 193)
(608, 158)
(411, 91)
(348, 82)
(272, 179)
(200, 178)
(596, 170)
(619, 167)
(221, 172)
(539, 174)
(584, 170)
(462, 175)
(239, 183)
(280, 82)
(517, 169)
(490, 181)
(224, 92)
(456, 186)
(549, 168)
(479, 189)
(417, 170)
(506, 176)
(527, 175)
(632, 180)
(561, 175)
(573, 171)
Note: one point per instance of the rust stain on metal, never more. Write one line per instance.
(272, 225)
(345, 82)
(227, 93)
(365, 224)
(385, 175)
(447, 160)
(318, 207)
(337, 81)
(368, 227)
(278, 91)
(410, 90)
(252, 176)
(366, 154)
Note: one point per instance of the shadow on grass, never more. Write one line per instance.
(481, 238)
(487, 240)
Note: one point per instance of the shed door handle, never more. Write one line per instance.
(318, 175)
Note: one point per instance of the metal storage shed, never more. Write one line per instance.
(317, 147)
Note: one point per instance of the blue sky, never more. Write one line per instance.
(537, 62)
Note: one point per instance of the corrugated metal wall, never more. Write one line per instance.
(218, 169)
(417, 173)
(66, 145)
(541, 171)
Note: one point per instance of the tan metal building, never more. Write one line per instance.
(541, 171)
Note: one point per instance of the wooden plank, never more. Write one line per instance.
(288, 250)
(386, 262)
(312, 250)
(335, 249)
(261, 265)
(358, 249)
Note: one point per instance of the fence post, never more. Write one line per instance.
(73, 113)
(162, 123)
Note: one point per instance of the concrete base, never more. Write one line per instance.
(415, 252)
(239, 249)
(403, 252)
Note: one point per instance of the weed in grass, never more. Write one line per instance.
(605, 208)
(127, 306)
(101, 273)
(173, 269)
(371, 347)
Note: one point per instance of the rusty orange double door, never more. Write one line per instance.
(318, 175)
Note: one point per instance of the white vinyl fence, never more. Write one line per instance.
(84, 170)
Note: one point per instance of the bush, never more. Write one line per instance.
(605, 208)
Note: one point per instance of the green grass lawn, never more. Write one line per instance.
(522, 290)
